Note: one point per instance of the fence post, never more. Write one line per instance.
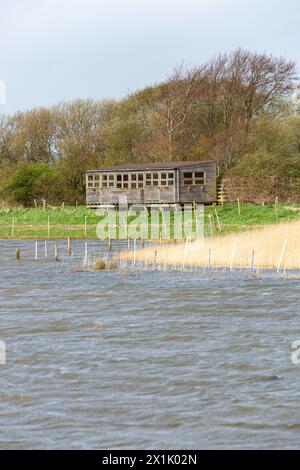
(55, 252)
(209, 258)
(69, 246)
(218, 221)
(155, 258)
(252, 261)
(85, 261)
(276, 207)
(134, 251)
(239, 206)
(233, 254)
(281, 255)
(210, 224)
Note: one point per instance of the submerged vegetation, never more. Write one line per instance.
(100, 264)
(239, 109)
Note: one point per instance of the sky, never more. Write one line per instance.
(60, 50)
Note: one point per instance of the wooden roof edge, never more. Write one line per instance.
(152, 166)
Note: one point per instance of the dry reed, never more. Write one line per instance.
(272, 246)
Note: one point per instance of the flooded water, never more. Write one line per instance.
(145, 359)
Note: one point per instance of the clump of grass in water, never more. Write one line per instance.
(100, 265)
(112, 266)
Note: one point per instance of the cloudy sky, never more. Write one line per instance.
(58, 50)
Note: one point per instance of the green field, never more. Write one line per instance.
(80, 222)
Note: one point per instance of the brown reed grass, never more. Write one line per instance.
(273, 246)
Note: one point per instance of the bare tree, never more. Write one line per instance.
(240, 87)
(178, 100)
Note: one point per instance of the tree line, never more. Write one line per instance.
(235, 108)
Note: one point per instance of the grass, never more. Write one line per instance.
(33, 222)
(270, 246)
(252, 215)
(70, 221)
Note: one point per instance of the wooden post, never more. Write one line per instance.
(252, 261)
(69, 246)
(194, 208)
(233, 254)
(281, 255)
(134, 252)
(276, 207)
(85, 261)
(142, 242)
(155, 258)
(164, 222)
(218, 221)
(209, 258)
(185, 253)
(109, 244)
(239, 206)
(18, 254)
(55, 252)
(210, 224)
(35, 203)
(44, 204)
(63, 206)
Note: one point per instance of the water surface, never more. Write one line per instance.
(145, 359)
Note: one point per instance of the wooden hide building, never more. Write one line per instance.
(165, 184)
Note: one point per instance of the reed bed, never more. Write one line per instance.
(272, 246)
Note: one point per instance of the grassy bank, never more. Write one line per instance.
(81, 222)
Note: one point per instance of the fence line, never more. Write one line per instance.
(84, 254)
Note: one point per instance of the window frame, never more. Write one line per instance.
(192, 179)
(131, 180)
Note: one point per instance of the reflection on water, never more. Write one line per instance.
(145, 359)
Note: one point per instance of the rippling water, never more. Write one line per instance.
(145, 359)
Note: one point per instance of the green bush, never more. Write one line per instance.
(262, 177)
(31, 181)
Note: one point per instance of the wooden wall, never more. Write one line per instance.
(176, 193)
(206, 194)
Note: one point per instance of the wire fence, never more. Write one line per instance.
(81, 255)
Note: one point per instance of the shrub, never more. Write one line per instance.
(31, 181)
(263, 177)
